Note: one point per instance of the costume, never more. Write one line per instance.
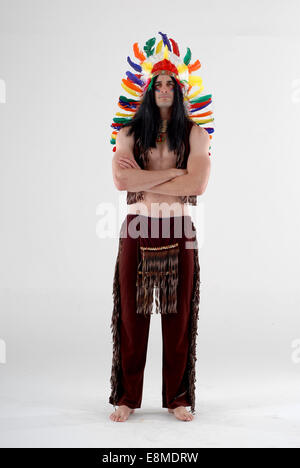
(160, 269)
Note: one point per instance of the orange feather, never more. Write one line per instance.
(138, 53)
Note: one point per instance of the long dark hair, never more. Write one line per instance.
(146, 122)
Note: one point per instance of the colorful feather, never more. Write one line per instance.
(175, 47)
(131, 85)
(195, 66)
(209, 129)
(166, 40)
(188, 56)
(130, 91)
(129, 100)
(204, 114)
(201, 99)
(191, 96)
(139, 54)
(159, 47)
(148, 46)
(134, 79)
(203, 121)
(199, 106)
(135, 66)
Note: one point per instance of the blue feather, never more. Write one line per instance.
(135, 79)
(135, 66)
(166, 40)
(127, 105)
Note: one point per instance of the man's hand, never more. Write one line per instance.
(128, 163)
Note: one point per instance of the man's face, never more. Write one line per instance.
(164, 91)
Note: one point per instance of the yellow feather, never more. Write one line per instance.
(147, 66)
(120, 114)
(202, 121)
(166, 52)
(158, 47)
(130, 91)
(195, 80)
(182, 68)
(191, 96)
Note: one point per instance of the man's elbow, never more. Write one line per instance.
(201, 189)
(202, 183)
(119, 181)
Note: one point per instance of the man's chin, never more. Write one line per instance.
(164, 104)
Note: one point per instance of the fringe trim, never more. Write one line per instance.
(191, 366)
(115, 379)
(158, 273)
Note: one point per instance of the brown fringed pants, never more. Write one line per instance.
(156, 257)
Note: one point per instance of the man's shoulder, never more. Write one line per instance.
(198, 134)
(124, 141)
(123, 134)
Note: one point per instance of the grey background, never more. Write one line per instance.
(62, 63)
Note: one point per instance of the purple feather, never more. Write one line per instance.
(166, 40)
(135, 66)
(135, 79)
(127, 105)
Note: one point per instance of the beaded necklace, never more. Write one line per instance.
(162, 133)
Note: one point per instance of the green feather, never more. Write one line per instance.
(188, 56)
(120, 119)
(148, 46)
(128, 99)
(201, 99)
(151, 83)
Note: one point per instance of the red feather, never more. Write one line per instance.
(175, 47)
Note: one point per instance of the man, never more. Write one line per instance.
(147, 161)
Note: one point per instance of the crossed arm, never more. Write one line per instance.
(190, 181)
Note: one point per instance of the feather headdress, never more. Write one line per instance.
(164, 59)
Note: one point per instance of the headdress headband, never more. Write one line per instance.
(164, 59)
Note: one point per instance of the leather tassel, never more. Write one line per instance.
(157, 273)
(191, 365)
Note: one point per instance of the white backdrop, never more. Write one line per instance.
(61, 65)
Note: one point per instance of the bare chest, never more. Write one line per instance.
(161, 157)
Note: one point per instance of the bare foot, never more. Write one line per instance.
(181, 413)
(121, 414)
